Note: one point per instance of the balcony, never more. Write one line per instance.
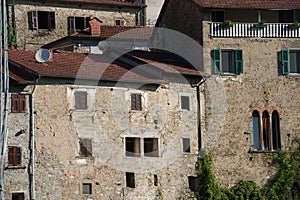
(247, 30)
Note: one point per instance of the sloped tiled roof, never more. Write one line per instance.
(249, 4)
(98, 67)
(126, 3)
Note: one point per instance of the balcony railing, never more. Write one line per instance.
(268, 30)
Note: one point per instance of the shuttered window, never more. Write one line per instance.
(185, 102)
(41, 20)
(85, 147)
(81, 100)
(285, 61)
(14, 156)
(18, 103)
(87, 188)
(228, 61)
(290, 61)
(136, 102)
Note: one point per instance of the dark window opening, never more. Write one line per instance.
(18, 196)
(41, 20)
(194, 183)
(186, 144)
(151, 147)
(132, 147)
(256, 130)
(217, 16)
(120, 22)
(81, 100)
(14, 156)
(130, 182)
(18, 103)
(294, 57)
(87, 188)
(136, 102)
(266, 130)
(228, 61)
(85, 147)
(76, 24)
(185, 102)
(286, 16)
(275, 130)
(155, 180)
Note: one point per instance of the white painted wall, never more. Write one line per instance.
(152, 11)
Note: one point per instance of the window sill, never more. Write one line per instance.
(228, 74)
(15, 167)
(262, 151)
(293, 75)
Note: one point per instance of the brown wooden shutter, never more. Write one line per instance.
(14, 156)
(81, 100)
(85, 147)
(34, 20)
(136, 102)
(18, 103)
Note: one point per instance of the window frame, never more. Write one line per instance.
(285, 59)
(141, 153)
(91, 189)
(136, 102)
(184, 141)
(88, 144)
(119, 22)
(130, 179)
(72, 23)
(78, 99)
(33, 20)
(18, 195)
(236, 59)
(17, 157)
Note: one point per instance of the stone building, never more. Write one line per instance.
(39, 22)
(95, 127)
(250, 101)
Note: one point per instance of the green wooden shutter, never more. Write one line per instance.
(239, 61)
(217, 61)
(285, 61)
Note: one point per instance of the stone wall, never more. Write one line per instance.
(230, 100)
(60, 171)
(33, 39)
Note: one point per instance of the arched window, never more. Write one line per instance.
(256, 130)
(275, 130)
(266, 130)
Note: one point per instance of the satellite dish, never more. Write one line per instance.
(102, 46)
(42, 55)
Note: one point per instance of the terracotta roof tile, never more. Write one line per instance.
(250, 4)
(127, 3)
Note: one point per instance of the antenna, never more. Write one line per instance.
(102, 46)
(42, 55)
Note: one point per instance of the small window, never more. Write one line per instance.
(132, 147)
(217, 16)
(186, 144)
(155, 180)
(14, 156)
(18, 196)
(130, 182)
(228, 61)
(185, 102)
(151, 147)
(276, 130)
(290, 61)
(85, 147)
(18, 103)
(76, 24)
(81, 100)
(136, 102)
(41, 20)
(120, 22)
(87, 188)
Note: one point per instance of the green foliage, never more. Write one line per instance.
(12, 39)
(285, 186)
(159, 194)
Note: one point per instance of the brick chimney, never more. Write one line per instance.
(95, 26)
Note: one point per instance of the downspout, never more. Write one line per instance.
(199, 112)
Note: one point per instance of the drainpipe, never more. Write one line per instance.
(199, 112)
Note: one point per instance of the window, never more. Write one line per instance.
(228, 61)
(266, 131)
(136, 102)
(186, 145)
(285, 16)
(130, 182)
(14, 156)
(18, 196)
(77, 23)
(41, 20)
(151, 147)
(120, 22)
(185, 102)
(155, 180)
(132, 147)
(80, 100)
(85, 147)
(87, 188)
(290, 61)
(217, 16)
(18, 103)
